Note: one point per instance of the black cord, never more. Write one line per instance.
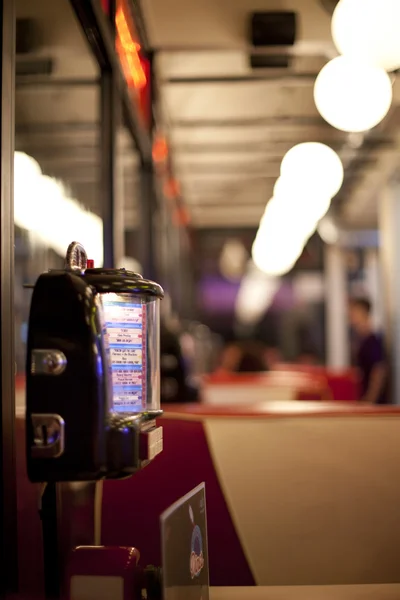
(153, 582)
(48, 515)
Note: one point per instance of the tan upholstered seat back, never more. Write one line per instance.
(314, 500)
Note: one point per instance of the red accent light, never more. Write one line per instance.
(145, 94)
(171, 189)
(90, 263)
(160, 150)
(181, 217)
(106, 6)
(128, 51)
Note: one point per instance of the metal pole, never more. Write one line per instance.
(337, 342)
(374, 285)
(108, 150)
(178, 270)
(49, 514)
(109, 96)
(8, 487)
(147, 209)
(389, 224)
(188, 288)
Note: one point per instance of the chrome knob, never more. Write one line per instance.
(48, 362)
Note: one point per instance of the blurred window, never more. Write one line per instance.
(57, 161)
(126, 199)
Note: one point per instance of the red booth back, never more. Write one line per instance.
(131, 508)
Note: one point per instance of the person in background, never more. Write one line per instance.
(243, 357)
(307, 357)
(272, 358)
(174, 384)
(370, 354)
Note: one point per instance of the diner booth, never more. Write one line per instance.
(302, 481)
(299, 494)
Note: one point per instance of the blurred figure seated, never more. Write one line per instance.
(369, 353)
(272, 357)
(173, 370)
(243, 357)
(307, 357)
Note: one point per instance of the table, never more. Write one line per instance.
(336, 592)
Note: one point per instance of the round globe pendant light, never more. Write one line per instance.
(286, 219)
(279, 241)
(328, 231)
(305, 206)
(352, 96)
(368, 30)
(273, 258)
(313, 167)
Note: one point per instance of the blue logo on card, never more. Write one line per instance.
(196, 554)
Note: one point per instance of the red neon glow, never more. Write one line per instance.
(106, 6)
(128, 51)
(181, 217)
(160, 150)
(145, 94)
(171, 189)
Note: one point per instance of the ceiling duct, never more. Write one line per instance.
(28, 67)
(270, 61)
(269, 30)
(27, 44)
(273, 28)
(26, 36)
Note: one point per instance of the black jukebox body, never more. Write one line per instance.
(92, 373)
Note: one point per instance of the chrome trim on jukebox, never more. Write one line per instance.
(48, 362)
(48, 436)
(151, 443)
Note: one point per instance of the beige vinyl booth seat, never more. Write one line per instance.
(228, 394)
(230, 389)
(311, 491)
(314, 500)
(298, 494)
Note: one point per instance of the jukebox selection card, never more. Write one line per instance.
(125, 333)
(184, 548)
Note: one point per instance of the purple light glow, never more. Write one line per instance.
(218, 295)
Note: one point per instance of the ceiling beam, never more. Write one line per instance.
(248, 222)
(210, 182)
(231, 200)
(278, 146)
(294, 51)
(227, 168)
(286, 76)
(273, 121)
(58, 128)
(32, 83)
(244, 147)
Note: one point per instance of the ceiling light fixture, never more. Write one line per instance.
(368, 30)
(310, 206)
(314, 167)
(280, 239)
(351, 95)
